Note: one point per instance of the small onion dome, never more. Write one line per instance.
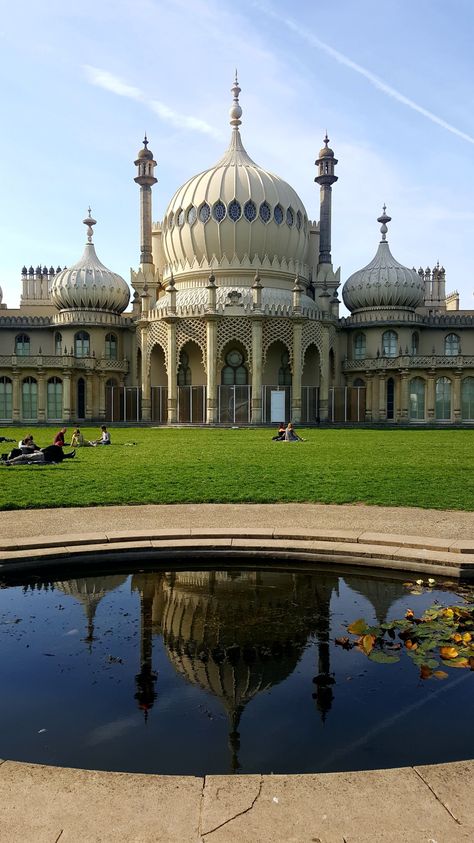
(326, 151)
(145, 153)
(89, 284)
(383, 282)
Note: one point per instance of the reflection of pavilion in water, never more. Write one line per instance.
(90, 591)
(235, 634)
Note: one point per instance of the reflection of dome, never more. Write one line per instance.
(235, 213)
(380, 593)
(90, 591)
(383, 282)
(89, 284)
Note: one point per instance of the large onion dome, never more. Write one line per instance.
(236, 214)
(89, 284)
(383, 282)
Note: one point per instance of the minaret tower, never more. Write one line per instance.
(325, 178)
(145, 177)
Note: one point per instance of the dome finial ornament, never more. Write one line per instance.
(89, 221)
(384, 219)
(326, 139)
(235, 110)
(145, 141)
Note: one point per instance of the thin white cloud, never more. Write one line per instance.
(109, 82)
(362, 71)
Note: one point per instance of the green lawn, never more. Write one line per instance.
(427, 468)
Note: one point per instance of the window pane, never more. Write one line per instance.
(359, 347)
(29, 399)
(6, 398)
(451, 345)
(417, 399)
(443, 399)
(55, 399)
(467, 399)
(389, 344)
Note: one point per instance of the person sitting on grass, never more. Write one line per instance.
(78, 441)
(59, 438)
(291, 435)
(50, 454)
(104, 437)
(281, 433)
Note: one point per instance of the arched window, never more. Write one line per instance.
(234, 372)
(359, 346)
(452, 346)
(111, 347)
(389, 344)
(58, 343)
(443, 399)
(284, 372)
(415, 342)
(467, 399)
(184, 370)
(29, 399)
(6, 399)
(55, 398)
(82, 344)
(417, 399)
(22, 345)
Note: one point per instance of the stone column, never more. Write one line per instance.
(324, 377)
(211, 370)
(257, 371)
(296, 374)
(41, 397)
(404, 400)
(382, 397)
(430, 398)
(172, 374)
(89, 403)
(102, 396)
(145, 374)
(66, 396)
(456, 410)
(16, 396)
(368, 396)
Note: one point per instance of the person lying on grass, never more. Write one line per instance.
(50, 454)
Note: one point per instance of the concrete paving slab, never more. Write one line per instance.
(329, 807)
(86, 806)
(318, 534)
(453, 785)
(407, 541)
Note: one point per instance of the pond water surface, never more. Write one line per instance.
(212, 671)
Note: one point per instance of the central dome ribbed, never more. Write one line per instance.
(235, 213)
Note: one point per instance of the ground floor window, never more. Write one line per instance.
(467, 399)
(6, 398)
(234, 372)
(29, 399)
(417, 399)
(55, 398)
(443, 399)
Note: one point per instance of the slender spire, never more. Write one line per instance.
(384, 219)
(89, 221)
(235, 110)
(145, 141)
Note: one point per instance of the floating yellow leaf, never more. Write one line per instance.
(467, 637)
(457, 637)
(358, 627)
(411, 645)
(367, 642)
(448, 613)
(448, 652)
(440, 674)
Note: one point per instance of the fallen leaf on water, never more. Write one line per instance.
(440, 674)
(448, 652)
(425, 672)
(367, 643)
(358, 627)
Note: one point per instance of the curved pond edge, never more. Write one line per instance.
(419, 554)
(425, 804)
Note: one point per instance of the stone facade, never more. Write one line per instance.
(235, 319)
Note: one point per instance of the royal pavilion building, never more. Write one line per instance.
(234, 318)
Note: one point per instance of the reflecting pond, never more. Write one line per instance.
(218, 671)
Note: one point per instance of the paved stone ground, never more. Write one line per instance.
(416, 804)
(398, 520)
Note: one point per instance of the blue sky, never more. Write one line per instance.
(392, 83)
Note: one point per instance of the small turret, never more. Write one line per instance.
(325, 178)
(145, 177)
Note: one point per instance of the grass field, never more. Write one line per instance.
(426, 468)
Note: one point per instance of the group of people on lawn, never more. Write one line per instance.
(28, 452)
(287, 433)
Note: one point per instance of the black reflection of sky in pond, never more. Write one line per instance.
(212, 672)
